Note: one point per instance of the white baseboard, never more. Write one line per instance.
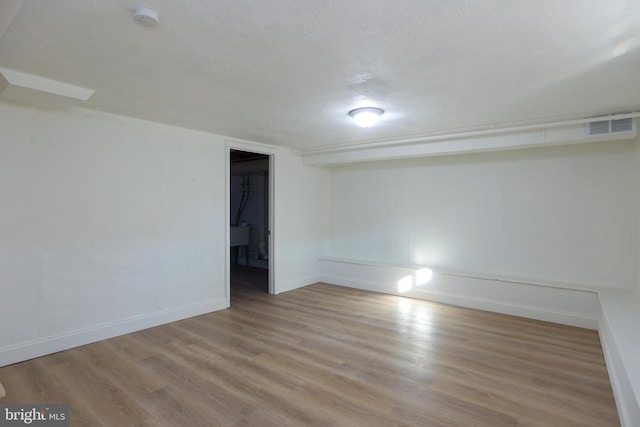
(574, 307)
(64, 341)
(613, 312)
(296, 283)
(620, 346)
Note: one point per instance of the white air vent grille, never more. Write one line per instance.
(622, 125)
(604, 127)
(599, 128)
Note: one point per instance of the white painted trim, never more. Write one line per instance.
(485, 304)
(619, 340)
(273, 289)
(470, 274)
(512, 309)
(613, 312)
(518, 137)
(464, 134)
(253, 147)
(617, 376)
(227, 225)
(575, 307)
(297, 283)
(51, 344)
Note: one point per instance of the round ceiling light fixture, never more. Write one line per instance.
(366, 117)
(146, 16)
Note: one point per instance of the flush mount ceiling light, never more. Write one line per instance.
(366, 117)
(146, 16)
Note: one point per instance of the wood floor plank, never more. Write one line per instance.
(332, 356)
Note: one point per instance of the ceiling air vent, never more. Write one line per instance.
(605, 127)
(599, 128)
(622, 125)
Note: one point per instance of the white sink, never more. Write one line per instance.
(239, 236)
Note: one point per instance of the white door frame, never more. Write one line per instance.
(260, 149)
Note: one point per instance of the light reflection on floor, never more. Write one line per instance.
(416, 318)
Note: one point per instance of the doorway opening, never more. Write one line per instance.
(249, 214)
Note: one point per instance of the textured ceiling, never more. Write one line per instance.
(287, 72)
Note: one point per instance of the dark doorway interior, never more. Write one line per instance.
(249, 214)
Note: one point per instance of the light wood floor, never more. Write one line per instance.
(327, 355)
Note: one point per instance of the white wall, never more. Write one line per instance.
(110, 224)
(301, 220)
(550, 234)
(563, 214)
(104, 220)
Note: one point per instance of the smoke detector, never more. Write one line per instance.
(146, 16)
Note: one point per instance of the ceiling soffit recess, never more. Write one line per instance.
(594, 129)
